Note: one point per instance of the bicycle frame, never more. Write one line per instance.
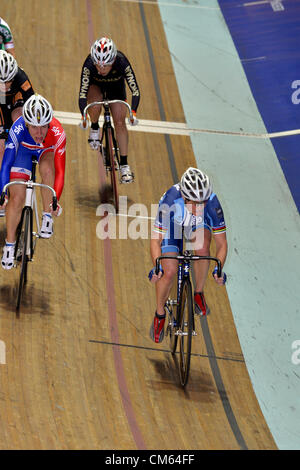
(181, 324)
(110, 151)
(25, 246)
(31, 203)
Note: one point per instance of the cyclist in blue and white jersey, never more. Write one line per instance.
(190, 210)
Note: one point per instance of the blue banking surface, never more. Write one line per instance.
(267, 42)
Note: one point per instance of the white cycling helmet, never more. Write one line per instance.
(195, 185)
(103, 51)
(37, 111)
(8, 67)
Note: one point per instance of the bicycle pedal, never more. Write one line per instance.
(181, 333)
(171, 302)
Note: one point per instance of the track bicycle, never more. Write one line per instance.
(26, 237)
(180, 310)
(108, 145)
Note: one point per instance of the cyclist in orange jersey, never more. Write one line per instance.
(15, 89)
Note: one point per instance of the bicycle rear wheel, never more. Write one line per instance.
(186, 327)
(110, 148)
(20, 253)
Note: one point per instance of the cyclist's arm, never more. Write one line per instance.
(23, 87)
(221, 247)
(155, 246)
(84, 84)
(59, 164)
(8, 159)
(132, 83)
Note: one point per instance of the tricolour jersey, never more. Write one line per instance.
(6, 38)
(173, 216)
(20, 147)
(121, 70)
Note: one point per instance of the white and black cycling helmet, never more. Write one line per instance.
(195, 185)
(8, 67)
(37, 111)
(103, 51)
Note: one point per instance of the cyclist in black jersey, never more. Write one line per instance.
(15, 89)
(104, 73)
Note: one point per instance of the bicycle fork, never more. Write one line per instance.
(30, 199)
(183, 271)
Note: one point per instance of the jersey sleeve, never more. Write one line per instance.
(216, 216)
(169, 205)
(85, 80)
(132, 83)
(23, 89)
(11, 149)
(59, 164)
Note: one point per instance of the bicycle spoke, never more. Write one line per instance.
(113, 171)
(185, 331)
(21, 249)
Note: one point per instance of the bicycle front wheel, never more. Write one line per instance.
(21, 248)
(173, 318)
(110, 148)
(185, 332)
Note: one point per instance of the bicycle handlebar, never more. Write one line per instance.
(189, 257)
(105, 103)
(30, 184)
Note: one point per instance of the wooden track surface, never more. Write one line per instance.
(81, 371)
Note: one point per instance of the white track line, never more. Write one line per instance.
(119, 214)
(164, 4)
(174, 128)
(2, 353)
(275, 4)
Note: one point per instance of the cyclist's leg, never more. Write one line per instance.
(163, 287)
(94, 94)
(201, 267)
(14, 209)
(119, 112)
(47, 172)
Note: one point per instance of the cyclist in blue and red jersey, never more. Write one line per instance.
(35, 134)
(190, 210)
(103, 75)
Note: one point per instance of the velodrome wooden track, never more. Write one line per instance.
(81, 371)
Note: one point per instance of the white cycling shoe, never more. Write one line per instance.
(94, 139)
(46, 230)
(8, 256)
(126, 174)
